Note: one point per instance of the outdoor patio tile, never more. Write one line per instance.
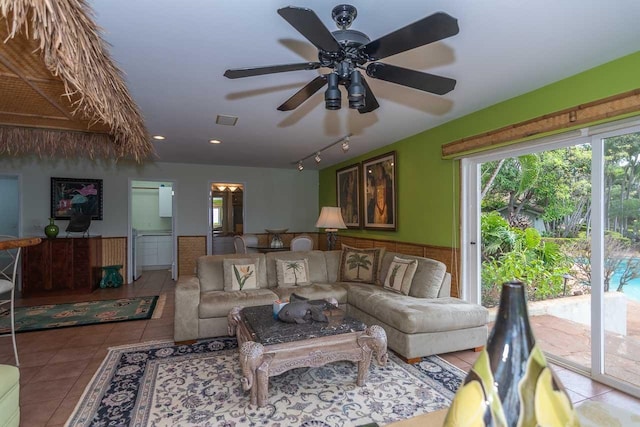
(620, 399)
(581, 384)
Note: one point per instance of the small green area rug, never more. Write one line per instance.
(163, 384)
(52, 316)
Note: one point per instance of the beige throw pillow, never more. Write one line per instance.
(240, 274)
(360, 265)
(292, 272)
(400, 275)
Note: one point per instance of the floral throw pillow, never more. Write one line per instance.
(292, 272)
(360, 265)
(240, 274)
(400, 275)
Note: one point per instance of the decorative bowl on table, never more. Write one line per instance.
(276, 241)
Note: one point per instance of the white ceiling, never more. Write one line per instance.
(174, 54)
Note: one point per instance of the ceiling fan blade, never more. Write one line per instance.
(309, 25)
(370, 101)
(270, 69)
(427, 30)
(415, 79)
(303, 94)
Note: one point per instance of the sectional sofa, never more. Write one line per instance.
(421, 320)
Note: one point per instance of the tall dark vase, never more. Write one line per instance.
(510, 384)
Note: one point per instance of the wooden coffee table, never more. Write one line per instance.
(269, 347)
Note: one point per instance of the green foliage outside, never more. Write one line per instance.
(510, 253)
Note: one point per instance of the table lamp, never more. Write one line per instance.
(331, 220)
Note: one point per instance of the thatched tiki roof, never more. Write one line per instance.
(60, 93)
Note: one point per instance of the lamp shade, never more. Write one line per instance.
(330, 218)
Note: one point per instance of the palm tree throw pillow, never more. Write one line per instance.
(292, 272)
(360, 265)
(400, 275)
(240, 274)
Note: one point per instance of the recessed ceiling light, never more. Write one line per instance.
(215, 141)
(158, 137)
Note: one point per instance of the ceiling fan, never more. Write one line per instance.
(347, 51)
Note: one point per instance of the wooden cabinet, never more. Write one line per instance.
(62, 265)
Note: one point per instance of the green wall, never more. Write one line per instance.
(428, 187)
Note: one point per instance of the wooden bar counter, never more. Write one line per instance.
(63, 265)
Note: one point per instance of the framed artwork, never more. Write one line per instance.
(348, 195)
(380, 200)
(73, 196)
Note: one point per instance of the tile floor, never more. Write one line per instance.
(56, 365)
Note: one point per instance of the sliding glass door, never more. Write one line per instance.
(562, 215)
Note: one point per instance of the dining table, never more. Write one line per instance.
(265, 249)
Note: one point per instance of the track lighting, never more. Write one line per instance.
(332, 96)
(316, 155)
(345, 144)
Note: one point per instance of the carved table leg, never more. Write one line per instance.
(373, 341)
(251, 357)
(233, 318)
(262, 379)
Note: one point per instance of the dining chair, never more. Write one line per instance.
(238, 244)
(302, 243)
(8, 276)
(242, 243)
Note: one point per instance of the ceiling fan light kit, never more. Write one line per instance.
(346, 51)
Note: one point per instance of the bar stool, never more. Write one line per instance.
(8, 284)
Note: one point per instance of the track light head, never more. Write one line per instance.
(345, 145)
(300, 167)
(332, 96)
(317, 157)
(356, 90)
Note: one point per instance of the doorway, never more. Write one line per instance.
(583, 208)
(226, 216)
(152, 227)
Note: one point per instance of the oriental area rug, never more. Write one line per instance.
(162, 384)
(50, 316)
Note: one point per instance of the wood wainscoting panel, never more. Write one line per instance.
(114, 252)
(190, 248)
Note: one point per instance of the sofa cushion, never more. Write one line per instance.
(428, 278)
(219, 303)
(360, 265)
(293, 272)
(315, 259)
(210, 270)
(316, 291)
(240, 274)
(400, 275)
(417, 315)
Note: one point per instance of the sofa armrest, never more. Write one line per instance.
(445, 289)
(185, 323)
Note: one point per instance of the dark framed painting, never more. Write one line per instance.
(348, 195)
(379, 191)
(76, 196)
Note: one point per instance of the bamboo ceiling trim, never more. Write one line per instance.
(603, 109)
(56, 72)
